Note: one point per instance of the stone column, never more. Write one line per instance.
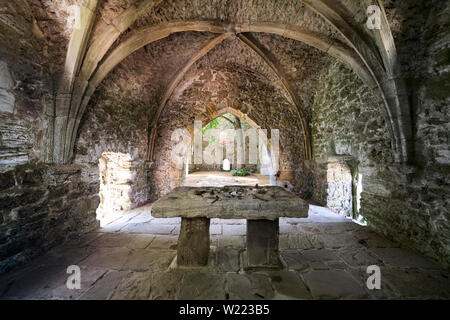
(262, 244)
(193, 242)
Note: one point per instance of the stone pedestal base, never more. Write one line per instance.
(262, 244)
(193, 242)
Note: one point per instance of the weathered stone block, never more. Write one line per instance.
(193, 242)
(262, 244)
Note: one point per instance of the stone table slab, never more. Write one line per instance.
(230, 202)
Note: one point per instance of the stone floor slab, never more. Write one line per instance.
(403, 258)
(166, 285)
(64, 256)
(149, 259)
(227, 259)
(417, 284)
(138, 241)
(164, 242)
(333, 284)
(320, 255)
(34, 285)
(142, 218)
(112, 258)
(175, 221)
(251, 286)
(89, 276)
(339, 240)
(339, 227)
(288, 285)
(301, 241)
(238, 287)
(119, 223)
(134, 286)
(359, 257)
(294, 260)
(202, 286)
(261, 285)
(149, 228)
(386, 291)
(370, 239)
(85, 239)
(104, 288)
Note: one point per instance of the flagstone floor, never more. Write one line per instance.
(326, 257)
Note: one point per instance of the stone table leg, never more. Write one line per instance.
(193, 242)
(262, 244)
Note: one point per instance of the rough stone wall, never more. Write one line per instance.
(116, 123)
(36, 31)
(42, 206)
(405, 203)
(347, 120)
(423, 204)
(25, 96)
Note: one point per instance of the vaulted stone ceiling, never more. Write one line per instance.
(146, 73)
(284, 42)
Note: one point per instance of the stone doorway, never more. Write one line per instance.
(339, 187)
(116, 179)
(256, 167)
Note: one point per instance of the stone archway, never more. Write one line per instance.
(177, 176)
(116, 183)
(361, 55)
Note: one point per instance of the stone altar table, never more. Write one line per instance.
(261, 206)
